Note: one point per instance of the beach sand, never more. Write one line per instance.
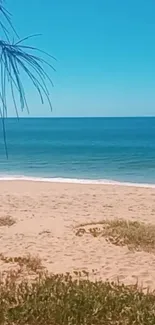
(46, 215)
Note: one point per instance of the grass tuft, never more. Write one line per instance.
(134, 234)
(7, 221)
(31, 263)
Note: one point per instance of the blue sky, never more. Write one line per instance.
(105, 54)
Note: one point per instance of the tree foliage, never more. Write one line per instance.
(18, 60)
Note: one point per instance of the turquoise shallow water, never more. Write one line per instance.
(82, 149)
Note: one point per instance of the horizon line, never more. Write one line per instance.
(77, 117)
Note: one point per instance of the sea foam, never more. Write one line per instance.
(73, 181)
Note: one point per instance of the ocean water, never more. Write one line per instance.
(80, 149)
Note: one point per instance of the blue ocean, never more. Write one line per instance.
(96, 150)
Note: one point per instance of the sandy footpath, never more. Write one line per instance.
(47, 213)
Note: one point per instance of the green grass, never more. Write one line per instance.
(134, 234)
(61, 300)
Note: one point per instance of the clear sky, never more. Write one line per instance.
(105, 52)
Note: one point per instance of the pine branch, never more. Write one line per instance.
(17, 59)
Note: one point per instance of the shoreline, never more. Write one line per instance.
(78, 181)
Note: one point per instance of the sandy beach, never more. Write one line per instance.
(46, 215)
